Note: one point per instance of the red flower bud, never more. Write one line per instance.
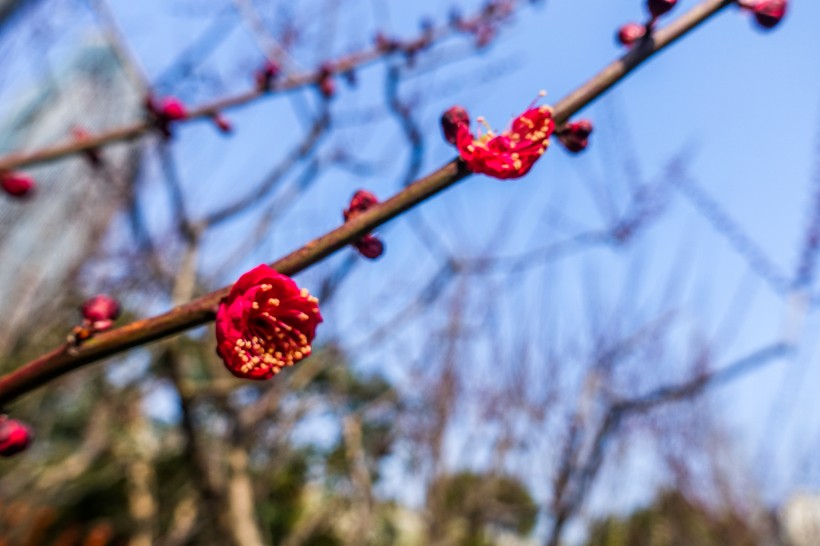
(162, 114)
(660, 7)
(769, 13)
(325, 83)
(265, 324)
(631, 33)
(14, 436)
(575, 135)
(100, 308)
(266, 76)
(17, 184)
(222, 123)
(451, 119)
(173, 109)
(369, 245)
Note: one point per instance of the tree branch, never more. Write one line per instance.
(200, 311)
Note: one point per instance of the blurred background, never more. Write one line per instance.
(618, 349)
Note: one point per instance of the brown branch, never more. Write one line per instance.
(200, 311)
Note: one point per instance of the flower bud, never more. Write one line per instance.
(14, 436)
(17, 184)
(631, 33)
(222, 123)
(660, 7)
(361, 201)
(575, 135)
(370, 247)
(769, 13)
(100, 308)
(173, 109)
(451, 120)
(266, 75)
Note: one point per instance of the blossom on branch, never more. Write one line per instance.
(768, 13)
(369, 245)
(14, 436)
(660, 7)
(99, 314)
(165, 112)
(17, 184)
(265, 324)
(512, 153)
(100, 311)
(450, 121)
(630, 33)
(266, 75)
(575, 135)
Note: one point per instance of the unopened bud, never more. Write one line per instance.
(769, 13)
(370, 247)
(14, 436)
(631, 33)
(327, 87)
(173, 109)
(361, 201)
(222, 123)
(575, 135)
(660, 7)
(101, 308)
(266, 75)
(454, 117)
(17, 184)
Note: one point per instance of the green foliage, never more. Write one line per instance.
(673, 521)
(479, 503)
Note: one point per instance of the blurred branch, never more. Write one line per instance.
(577, 476)
(200, 311)
(135, 130)
(303, 151)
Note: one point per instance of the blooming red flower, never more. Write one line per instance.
(17, 184)
(575, 135)
(769, 13)
(512, 153)
(14, 436)
(369, 245)
(265, 324)
(659, 7)
(631, 33)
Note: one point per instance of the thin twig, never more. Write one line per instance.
(133, 131)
